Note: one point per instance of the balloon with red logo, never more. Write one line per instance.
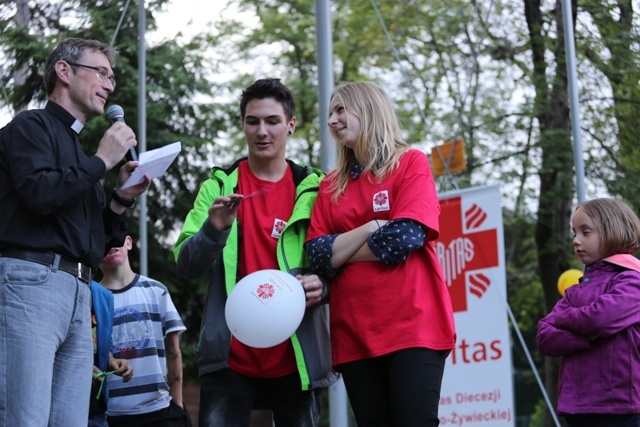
(265, 308)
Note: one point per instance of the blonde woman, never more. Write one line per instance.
(372, 231)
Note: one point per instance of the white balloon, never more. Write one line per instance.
(265, 308)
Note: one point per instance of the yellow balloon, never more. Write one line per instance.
(568, 279)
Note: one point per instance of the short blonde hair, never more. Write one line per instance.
(616, 223)
(380, 144)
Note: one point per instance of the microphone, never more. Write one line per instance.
(115, 113)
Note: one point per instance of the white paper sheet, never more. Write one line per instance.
(154, 163)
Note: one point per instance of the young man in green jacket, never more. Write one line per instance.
(236, 235)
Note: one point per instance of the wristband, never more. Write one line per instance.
(377, 223)
(122, 202)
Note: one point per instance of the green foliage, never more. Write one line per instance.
(537, 418)
(525, 296)
(612, 50)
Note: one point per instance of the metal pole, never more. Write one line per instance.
(569, 45)
(142, 129)
(325, 82)
(338, 402)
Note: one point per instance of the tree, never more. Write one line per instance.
(609, 41)
(556, 174)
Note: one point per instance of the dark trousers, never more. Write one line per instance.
(400, 389)
(171, 416)
(227, 398)
(595, 420)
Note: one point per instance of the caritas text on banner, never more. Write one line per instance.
(477, 388)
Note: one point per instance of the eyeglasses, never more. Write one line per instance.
(102, 72)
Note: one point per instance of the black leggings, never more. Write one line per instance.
(400, 389)
(599, 420)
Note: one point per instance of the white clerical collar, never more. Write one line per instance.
(77, 127)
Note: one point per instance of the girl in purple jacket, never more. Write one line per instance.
(595, 327)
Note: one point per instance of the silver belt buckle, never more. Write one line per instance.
(81, 274)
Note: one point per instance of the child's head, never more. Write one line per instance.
(117, 256)
(604, 227)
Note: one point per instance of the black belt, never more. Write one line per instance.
(76, 269)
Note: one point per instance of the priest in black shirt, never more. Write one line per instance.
(56, 225)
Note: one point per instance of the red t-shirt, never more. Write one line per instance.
(375, 308)
(260, 220)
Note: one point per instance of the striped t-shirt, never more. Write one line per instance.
(143, 316)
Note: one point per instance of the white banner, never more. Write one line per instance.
(477, 388)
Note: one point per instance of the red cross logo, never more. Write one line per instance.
(265, 290)
(463, 252)
(279, 226)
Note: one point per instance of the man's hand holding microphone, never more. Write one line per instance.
(118, 142)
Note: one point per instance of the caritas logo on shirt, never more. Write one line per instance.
(278, 227)
(464, 249)
(381, 201)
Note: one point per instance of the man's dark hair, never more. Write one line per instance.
(70, 50)
(269, 88)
